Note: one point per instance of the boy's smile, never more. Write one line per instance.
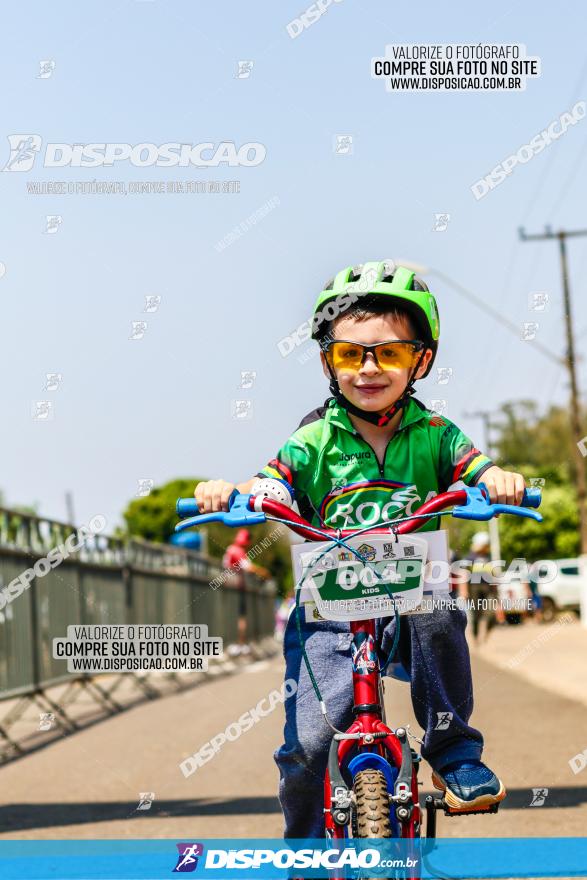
(370, 387)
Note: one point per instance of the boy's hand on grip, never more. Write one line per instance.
(505, 487)
(213, 495)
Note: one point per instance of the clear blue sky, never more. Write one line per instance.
(161, 72)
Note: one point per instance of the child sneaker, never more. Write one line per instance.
(468, 785)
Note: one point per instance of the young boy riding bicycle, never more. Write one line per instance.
(372, 442)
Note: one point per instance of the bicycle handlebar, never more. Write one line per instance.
(246, 510)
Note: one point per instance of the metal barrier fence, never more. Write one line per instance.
(106, 581)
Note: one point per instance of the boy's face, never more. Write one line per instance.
(371, 388)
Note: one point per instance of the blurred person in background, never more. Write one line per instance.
(282, 612)
(237, 562)
(480, 586)
(536, 599)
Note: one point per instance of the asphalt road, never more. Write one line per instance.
(88, 785)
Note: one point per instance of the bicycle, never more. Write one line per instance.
(370, 785)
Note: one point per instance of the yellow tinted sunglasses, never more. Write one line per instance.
(398, 354)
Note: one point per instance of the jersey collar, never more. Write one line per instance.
(414, 411)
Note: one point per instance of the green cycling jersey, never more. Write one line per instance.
(339, 482)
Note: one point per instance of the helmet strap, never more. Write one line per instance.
(375, 418)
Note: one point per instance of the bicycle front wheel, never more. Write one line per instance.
(372, 804)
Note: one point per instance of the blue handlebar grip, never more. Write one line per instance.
(187, 507)
(532, 498)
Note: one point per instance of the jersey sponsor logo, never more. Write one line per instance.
(364, 504)
(346, 457)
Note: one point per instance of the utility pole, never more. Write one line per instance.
(576, 432)
(492, 525)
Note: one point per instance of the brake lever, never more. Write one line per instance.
(238, 515)
(478, 507)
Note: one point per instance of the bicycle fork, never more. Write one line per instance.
(375, 743)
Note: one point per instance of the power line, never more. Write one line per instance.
(483, 305)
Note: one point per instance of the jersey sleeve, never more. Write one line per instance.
(292, 463)
(459, 459)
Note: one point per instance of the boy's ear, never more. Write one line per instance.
(424, 363)
(325, 366)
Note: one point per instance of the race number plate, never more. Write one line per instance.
(345, 588)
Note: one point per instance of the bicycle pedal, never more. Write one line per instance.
(493, 808)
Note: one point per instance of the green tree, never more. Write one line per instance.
(537, 446)
(540, 442)
(154, 518)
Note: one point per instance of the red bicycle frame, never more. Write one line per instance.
(366, 685)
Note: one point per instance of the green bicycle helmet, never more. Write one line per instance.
(374, 281)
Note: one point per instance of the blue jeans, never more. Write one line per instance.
(432, 648)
